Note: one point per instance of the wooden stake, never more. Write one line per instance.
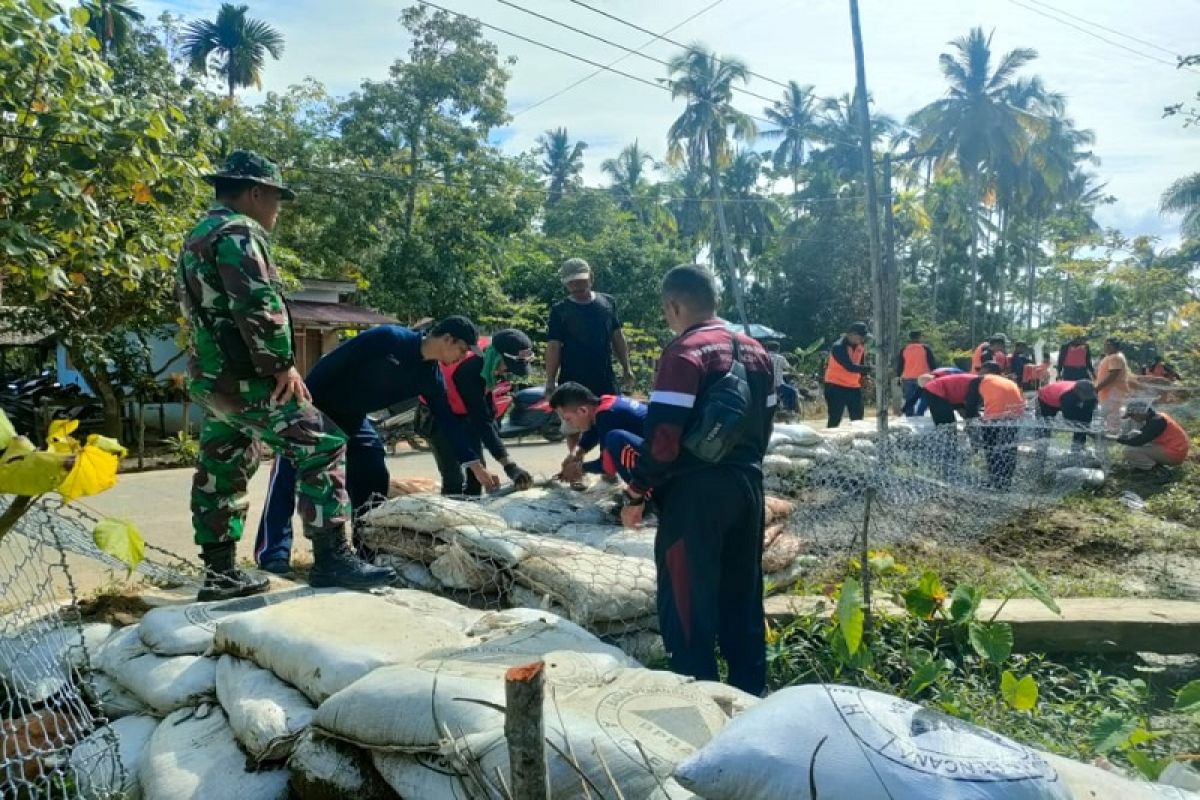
(866, 565)
(524, 729)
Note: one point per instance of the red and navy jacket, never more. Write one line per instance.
(614, 413)
(691, 363)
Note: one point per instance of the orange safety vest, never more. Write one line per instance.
(838, 375)
(1076, 356)
(1052, 395)
(916, 361)
(1174, 440)
(1002, 399)
(977, 358)
(452, 394)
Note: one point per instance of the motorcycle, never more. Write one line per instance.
(526, 413)
(397, 424)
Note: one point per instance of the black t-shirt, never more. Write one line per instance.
(585, 330)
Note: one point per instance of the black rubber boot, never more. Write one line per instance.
(222, 579)
(334, 564)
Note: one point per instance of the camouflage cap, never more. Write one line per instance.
(246, 165)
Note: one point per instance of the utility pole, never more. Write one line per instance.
(883, 373)
(891, 273)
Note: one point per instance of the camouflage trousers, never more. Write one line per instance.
(231, 446)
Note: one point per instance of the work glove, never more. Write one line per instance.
(520, 478)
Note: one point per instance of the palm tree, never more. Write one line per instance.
(975, 123)
(627, 172)
(701, 135)
(562, 164)
(110, 21)
(1184, 196)
(238, 45)
(798, 125)
(752, 217)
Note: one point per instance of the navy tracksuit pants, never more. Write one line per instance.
(710, 584)
(366, 482)
(619, 453)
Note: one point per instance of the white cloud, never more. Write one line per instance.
(1115, 93)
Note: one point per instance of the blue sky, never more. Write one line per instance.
(1118, 94)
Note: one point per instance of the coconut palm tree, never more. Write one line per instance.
(702, 133)
(110, 21)
(975, 123)
(627, 172)
(233, 44)
(752, 217)
(562, 163)
(1183, 196)
(798, 121)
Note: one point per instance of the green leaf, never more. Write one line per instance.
(1020, 694)
(7, 431)
(1037, 589)
(964, 603)
(850, 614)
(926, 670)
(1188, 699)
(1111, 731)
(80, 16)
(122, 540)
(926, 597)
(1151, 769)
(991, 640)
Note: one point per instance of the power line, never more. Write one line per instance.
(610, 43)
(594, 73)
(1085, 31)
(1129, 36)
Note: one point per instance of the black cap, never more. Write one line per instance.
(460, 328)
(516, 348)
(858, 328)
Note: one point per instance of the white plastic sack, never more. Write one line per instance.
(429, 513)
(875, 746)
(418, 602)
(114, 700)
(1093, 783)
(797, 433)
(266, 714)
(412, 574)
(777, 465)
(326, 769)
(636, 542)
(733, 701)
(188, 629)
(547, 510)
(508, 546)
(1081, 476)
(455, 568)
(593, 587)
(97, 774)
(590, 535)
(163, 683)
(36, 663)
(324, 643)
(402, 542)
(193, 756)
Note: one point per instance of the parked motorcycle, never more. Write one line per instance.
(397, 424)
(527, 413)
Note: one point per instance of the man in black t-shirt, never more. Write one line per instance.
(583, 334)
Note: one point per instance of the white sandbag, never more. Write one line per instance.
(123, 645)
(411, 574)
(455, 568)
(97, 774)
(266, 714)
(324, 643)
(430, 605)
(1093, 783)
(863, 446)
(36, 662)
(401, 542)
(113, 699)
(326, 769)
(518, 636)
(1081, 476)
(796, 433)
(429, 776)
(874, 746)
(194, 756)
(636, 542)
(646, 646)
(508, 546)
(1182, 775)
(521, 597)
(777, 465)
(188, 629)
(594, 586)
(625, 734)
(547, 510)
(429, 513)
(590, 535)
(167, 683)
(789, 450)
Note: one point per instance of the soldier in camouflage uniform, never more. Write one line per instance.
(242, 371)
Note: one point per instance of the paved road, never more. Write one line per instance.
(158, 502)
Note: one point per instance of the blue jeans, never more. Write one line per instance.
(912, 398)
(366, 482)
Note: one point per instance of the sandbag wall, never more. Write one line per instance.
(550, 549)
(398, 693)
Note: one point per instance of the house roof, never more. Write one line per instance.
(335, 315)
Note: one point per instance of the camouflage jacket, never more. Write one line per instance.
(232, 299)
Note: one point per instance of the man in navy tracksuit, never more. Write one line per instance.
(613, 423)
(377, 368)
(708, 549)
